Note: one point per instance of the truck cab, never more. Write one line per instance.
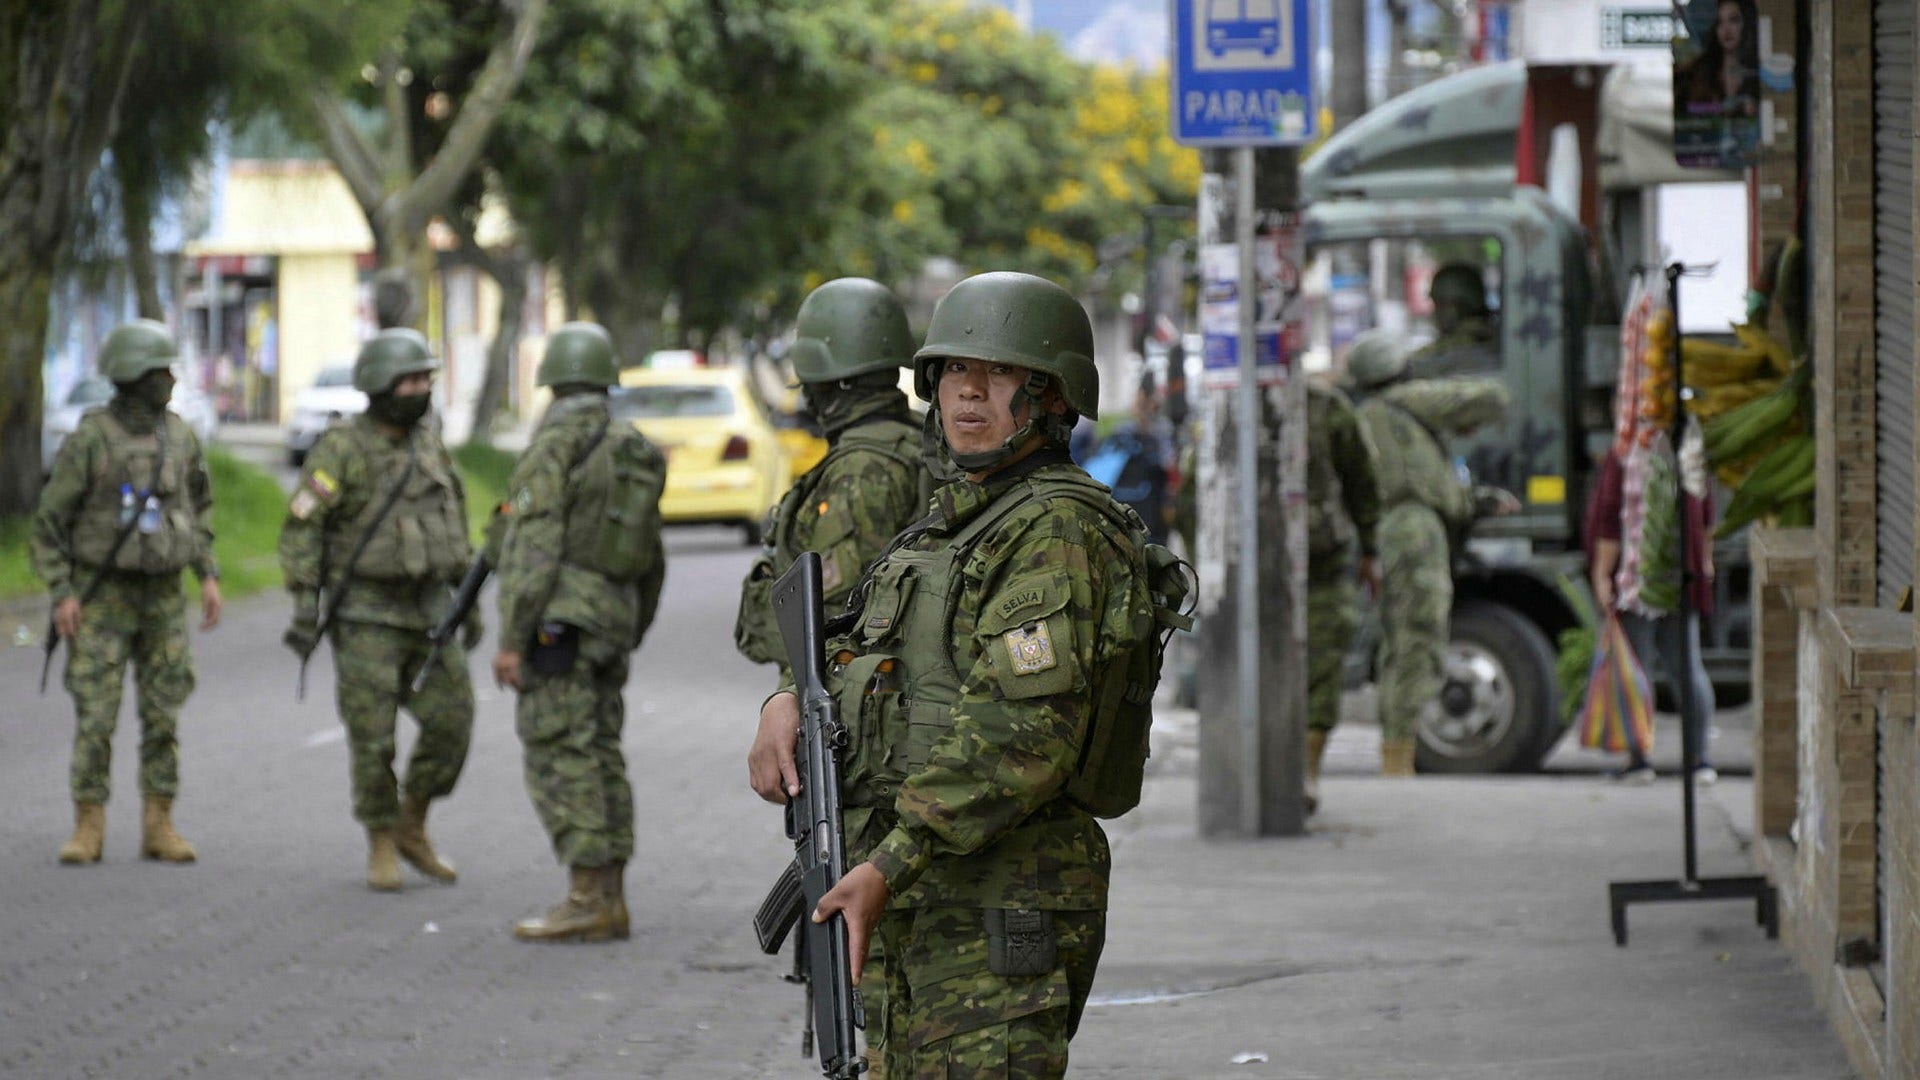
(1456, 174)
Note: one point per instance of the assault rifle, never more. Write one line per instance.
(821, 962)
(449, 625)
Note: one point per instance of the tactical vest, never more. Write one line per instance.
(167, 540)
(613, 520)
(422, 538)
(754, 631)
(899, 683)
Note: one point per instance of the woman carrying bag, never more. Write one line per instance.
(1633, 523)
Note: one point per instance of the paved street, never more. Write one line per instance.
(1428, 928)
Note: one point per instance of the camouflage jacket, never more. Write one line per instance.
(1343, 500)
(540, 551)
(970, 694)
(78, 515)
(1408, 421)
(1468, 349)
(870, 486)
(414, 551)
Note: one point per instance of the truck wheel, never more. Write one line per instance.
(1499, 696)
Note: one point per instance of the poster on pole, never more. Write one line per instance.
(1716, 84)
(1278, 334)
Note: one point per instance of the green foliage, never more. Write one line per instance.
(1572, 668)
(484, 470)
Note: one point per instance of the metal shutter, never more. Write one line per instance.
(1893, 329)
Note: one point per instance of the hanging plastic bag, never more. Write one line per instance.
(1617, 715)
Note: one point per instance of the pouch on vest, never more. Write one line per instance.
(625, 550)
(555, 648)
(754, 633)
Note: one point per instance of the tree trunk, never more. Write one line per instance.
(136, 225)
(65, 68)
(509, 271)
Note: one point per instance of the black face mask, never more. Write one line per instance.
(154, 389)
(402, 411)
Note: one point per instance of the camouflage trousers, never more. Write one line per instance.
(1416, 599)
(142, 619)
(948, 1015)
(1333, 615)
(375, 666)
(576, 773)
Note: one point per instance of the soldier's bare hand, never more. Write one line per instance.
(770, 766)
(861, 896)
(210, 604)
(66, 617)
(506, 670)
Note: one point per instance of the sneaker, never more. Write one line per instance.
(1705, 776)
(1638, 775)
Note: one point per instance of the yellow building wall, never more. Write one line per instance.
(319, 318)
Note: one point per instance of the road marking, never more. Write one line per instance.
(322, 738)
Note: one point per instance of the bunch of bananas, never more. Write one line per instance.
(1781, 483)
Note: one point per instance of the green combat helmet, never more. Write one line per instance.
(387, 356)
(1376, 358)
(135, 348)
(849, 326)
(579, 353)
(1016, 319)
(1459, 286)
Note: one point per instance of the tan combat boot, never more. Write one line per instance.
(383, 861)
(157, 838)
(614, 886)
(1316, 749)
(585, 915)
(1396, 757)
(410, 837)
(89, 829)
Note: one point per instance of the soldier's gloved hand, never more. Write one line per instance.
(304, 631)
(472, 629)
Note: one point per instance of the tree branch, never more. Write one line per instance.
(468, 134)
(349, 152)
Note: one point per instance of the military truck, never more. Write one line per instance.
(1458, 172)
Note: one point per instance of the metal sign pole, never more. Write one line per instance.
(1247, 605)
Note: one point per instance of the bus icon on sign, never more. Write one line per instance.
(1243, 24)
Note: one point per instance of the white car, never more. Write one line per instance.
(331, 397)
(93, 391)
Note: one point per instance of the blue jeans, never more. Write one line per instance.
(1670, 633)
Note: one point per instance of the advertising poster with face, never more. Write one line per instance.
(1716, 84)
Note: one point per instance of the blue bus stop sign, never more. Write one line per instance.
(1242, 73)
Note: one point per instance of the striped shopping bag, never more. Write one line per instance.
(1617, 715)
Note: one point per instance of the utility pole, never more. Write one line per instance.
(1253, 671)
(1349, 83)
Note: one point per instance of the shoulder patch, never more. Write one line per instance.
(323, 484)
(304, 503)
(1030, 648)
(523, 500)
(1020, 601)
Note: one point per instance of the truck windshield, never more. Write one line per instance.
(1443, 294)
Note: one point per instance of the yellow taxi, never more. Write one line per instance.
(726, 462)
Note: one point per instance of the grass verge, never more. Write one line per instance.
(249, 506)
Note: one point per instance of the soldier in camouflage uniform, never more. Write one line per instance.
(851, 341)
(982, 639)
(1343, 505)
(1424, 502)
(1465, 343)
(377, 528)
(127, 505)
(580, 570)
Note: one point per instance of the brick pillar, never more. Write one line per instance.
(1776, 702)
(1840, 205)
(1900, 742)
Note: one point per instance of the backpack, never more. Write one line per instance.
(1107, 779)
